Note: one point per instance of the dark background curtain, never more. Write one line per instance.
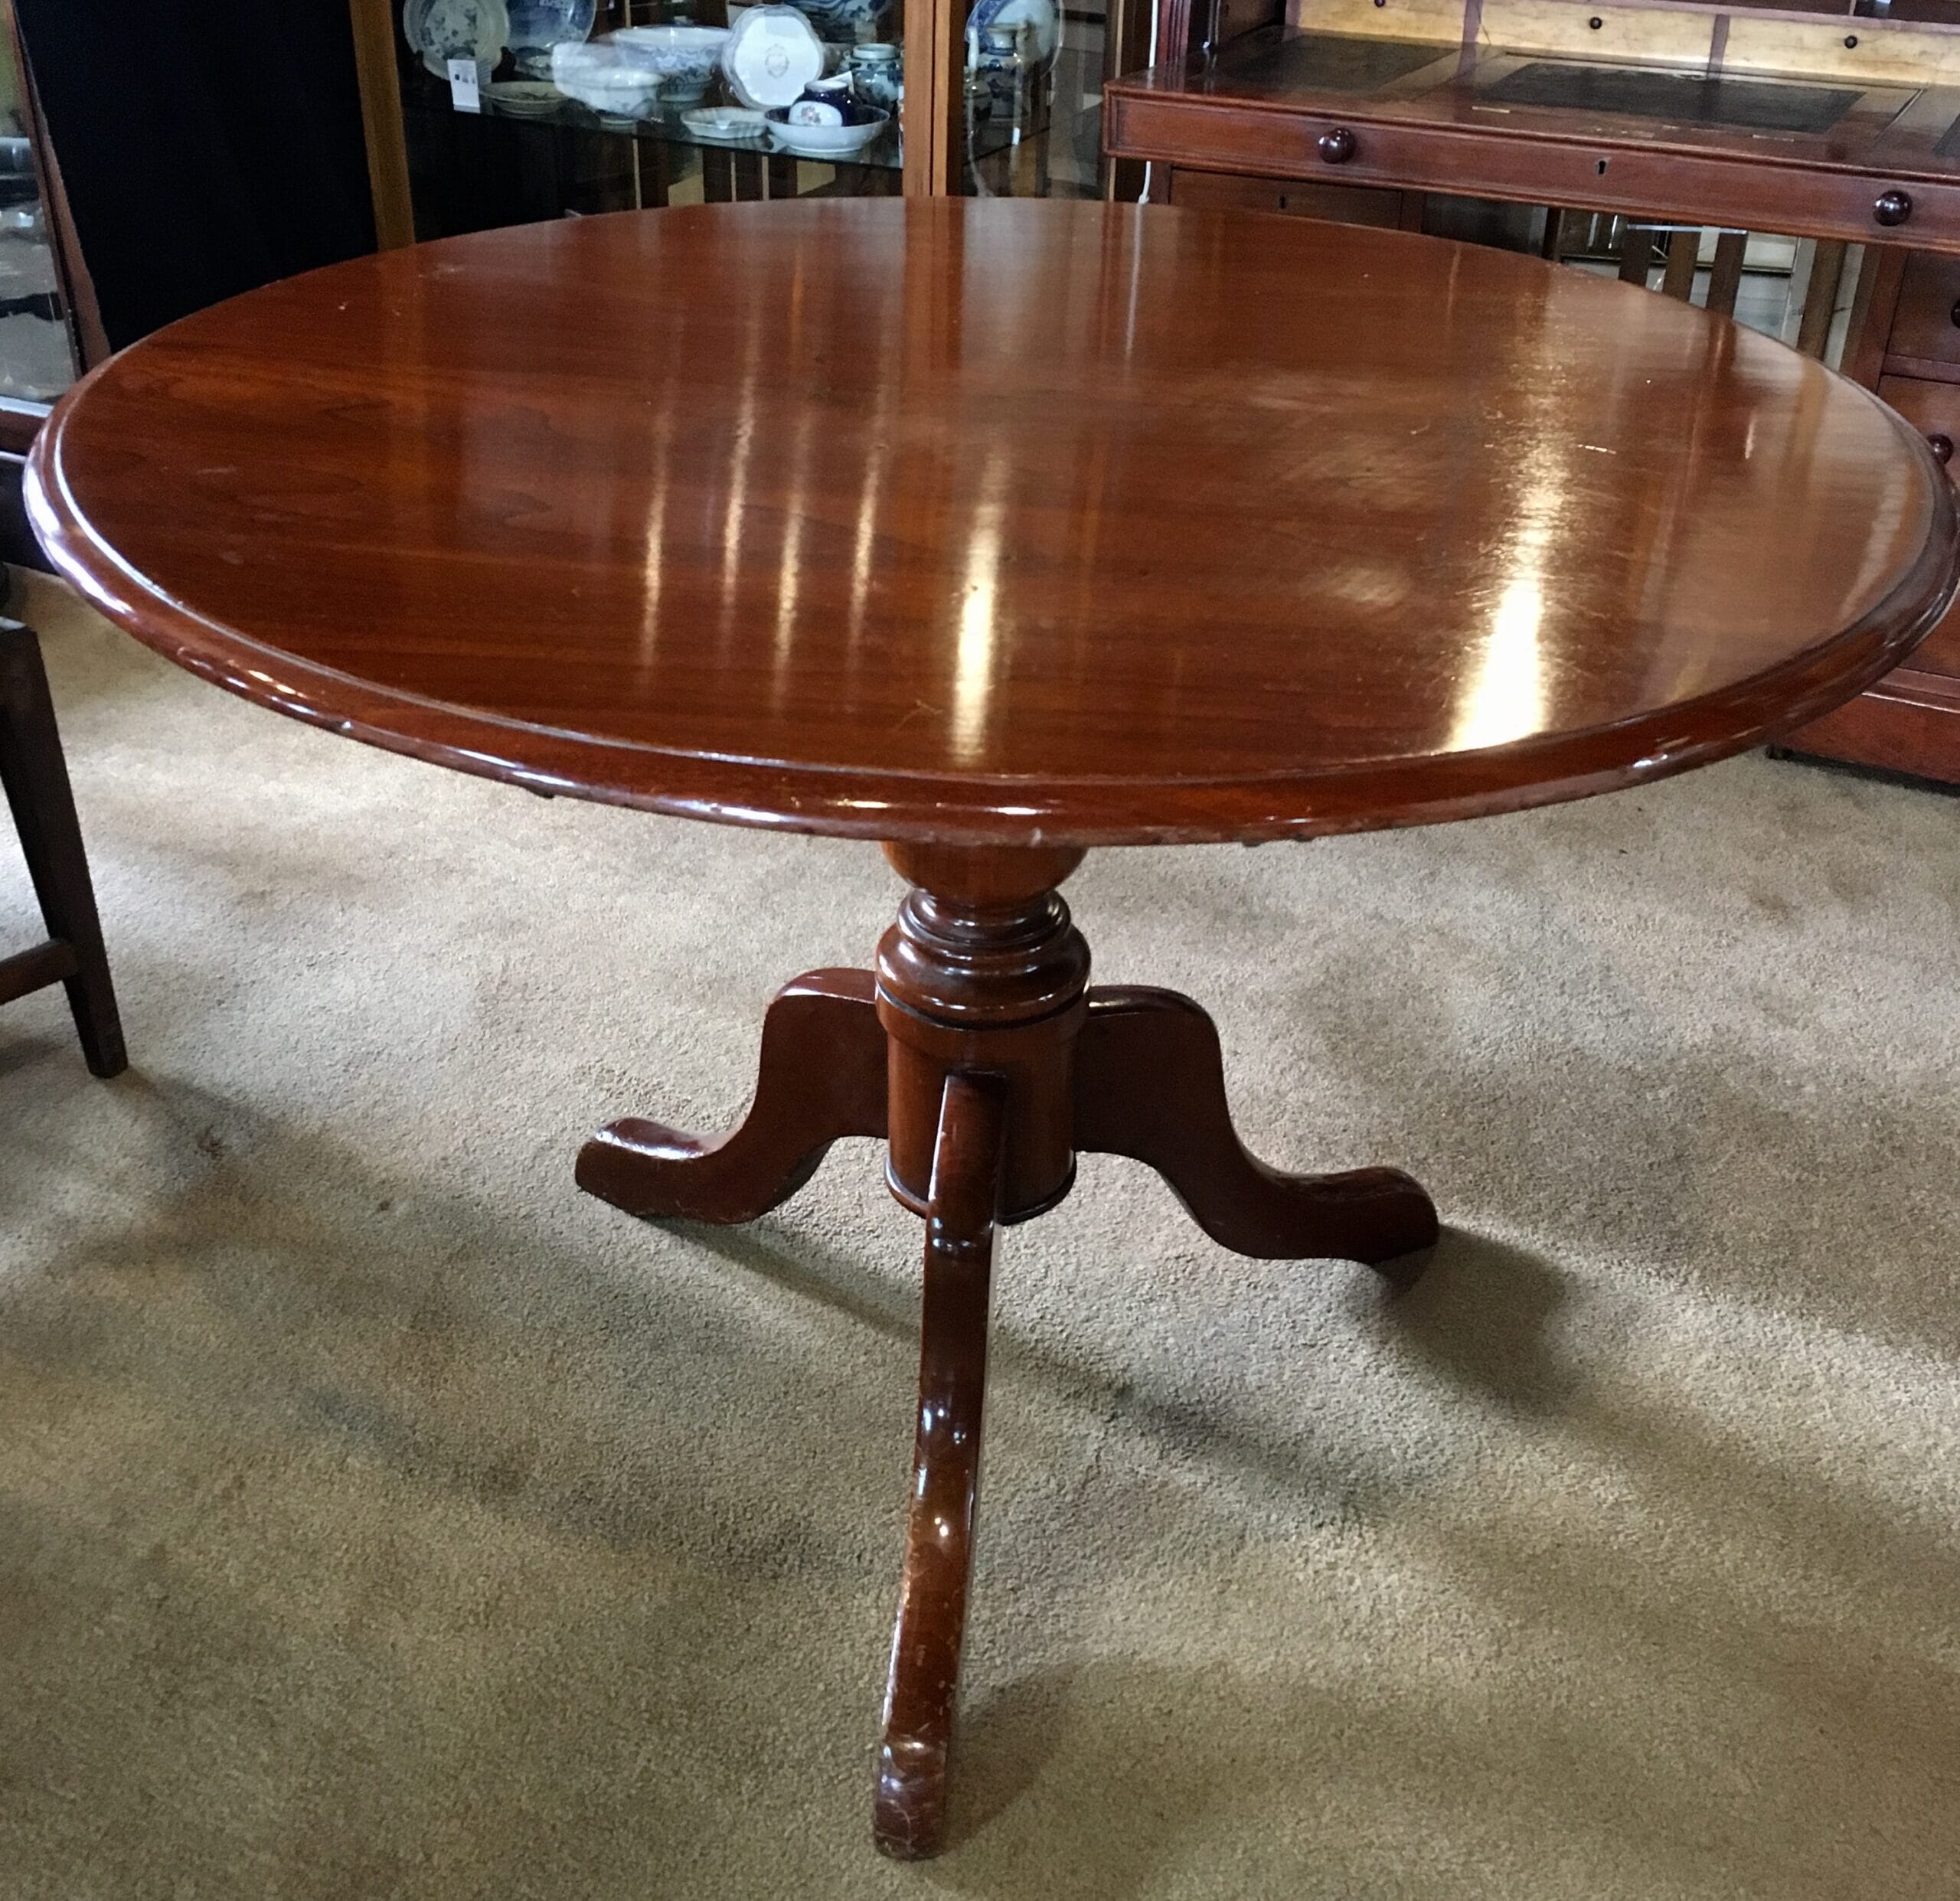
(208, 146)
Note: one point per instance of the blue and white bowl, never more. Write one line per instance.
(685, 56)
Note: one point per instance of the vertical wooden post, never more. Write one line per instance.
(1684, 251)
(1636, 252)
(1724, 277)
(374, 24)
(1881, 275)
(934, 113)
(1826, 272)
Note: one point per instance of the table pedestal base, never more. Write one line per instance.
(976, 1051)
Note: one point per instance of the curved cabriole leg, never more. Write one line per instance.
(909, 1806)
(822, 1076)
(1150, 1084)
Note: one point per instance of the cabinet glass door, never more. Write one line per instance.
(1033, 71)
(37, 348)
(517, 110)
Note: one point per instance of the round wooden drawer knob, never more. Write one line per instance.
(1337, 147)
(1893, 207)
(1953, 316)
(1942, 446)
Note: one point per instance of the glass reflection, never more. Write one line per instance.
(1506, 699)
(973, 671)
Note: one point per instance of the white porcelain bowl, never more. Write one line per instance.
(822, 142)
(615, 81)
(685, 56)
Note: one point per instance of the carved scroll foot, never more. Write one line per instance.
(969, 1156)
(821, 1076)
(1150, 1084)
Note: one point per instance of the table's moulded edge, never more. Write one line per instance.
(853, 802)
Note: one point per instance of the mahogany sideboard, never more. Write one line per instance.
(1841, 125)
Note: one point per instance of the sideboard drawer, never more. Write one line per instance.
(1927, 324)
(1931, 408)
(1341, 203)
(1939, 652)
(1935, 409)
(1736, 188)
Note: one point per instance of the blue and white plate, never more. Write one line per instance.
(445, 29)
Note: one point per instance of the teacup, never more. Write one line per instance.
(829, 102)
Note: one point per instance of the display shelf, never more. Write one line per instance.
(985, 140)
(885, 153)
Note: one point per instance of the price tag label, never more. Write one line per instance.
(464, 94)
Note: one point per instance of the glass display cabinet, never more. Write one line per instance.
(483, 113)
(48, 333)
(40, 347)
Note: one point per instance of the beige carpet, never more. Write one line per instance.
(379, 1517)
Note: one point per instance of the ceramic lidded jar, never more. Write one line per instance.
(1001, 67)
(877, 74)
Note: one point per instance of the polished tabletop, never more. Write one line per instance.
(1036, 522)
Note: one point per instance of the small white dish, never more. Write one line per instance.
(615, 81)
(822, 142)
(732, 125)
(523, 98)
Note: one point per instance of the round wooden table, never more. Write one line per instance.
(992, 532)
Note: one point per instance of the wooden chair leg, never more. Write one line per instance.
(36, 778)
